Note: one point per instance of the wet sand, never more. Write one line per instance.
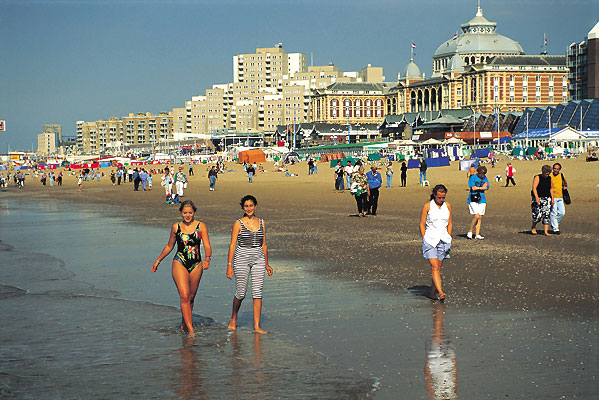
(306, 219)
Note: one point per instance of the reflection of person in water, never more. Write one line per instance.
(440, 369)
(190, 384)
(247, 369)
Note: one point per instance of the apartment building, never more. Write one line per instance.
(583, 63)
(46, 143)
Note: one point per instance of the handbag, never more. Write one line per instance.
(566, 196)
(475, 197)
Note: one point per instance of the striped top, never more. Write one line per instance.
(248, 238)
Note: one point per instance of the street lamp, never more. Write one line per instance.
(348, 124)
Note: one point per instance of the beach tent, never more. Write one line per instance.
(374, 157)
(252, 156)
(291, 157)
(344, 161)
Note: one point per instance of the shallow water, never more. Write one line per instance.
(84, 318)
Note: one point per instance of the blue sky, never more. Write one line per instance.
(68, 60)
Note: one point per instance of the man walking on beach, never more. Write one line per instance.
(558, 210)
(423, 168)
(180, 180)
(136, 180)
(348, 170)
(375, 181)
(509, 175)
(143, 175)
(339, 177)
(213, 176)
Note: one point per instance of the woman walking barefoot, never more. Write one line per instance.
(248, 254)
(435, 229)
(187, 266)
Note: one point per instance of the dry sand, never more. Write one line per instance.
(307, 219)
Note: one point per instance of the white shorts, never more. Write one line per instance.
(477, 208)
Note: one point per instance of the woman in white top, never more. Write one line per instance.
(435, 229)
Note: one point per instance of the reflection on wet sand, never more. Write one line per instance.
(248, 377)
(191, 384)
(440, 369)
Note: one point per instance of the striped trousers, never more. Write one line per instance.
(249, 261)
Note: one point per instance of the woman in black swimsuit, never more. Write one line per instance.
(187, 265)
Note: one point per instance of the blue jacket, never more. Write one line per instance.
(375, 179)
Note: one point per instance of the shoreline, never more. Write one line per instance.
(509, 270)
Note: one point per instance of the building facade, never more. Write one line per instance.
(46, 143)
(583, 63)
(482, 71)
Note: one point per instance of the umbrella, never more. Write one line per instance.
(407, 142)
(454, 140)
(431, 141)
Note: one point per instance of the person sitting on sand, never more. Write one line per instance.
(187, 266)
(248, 254)
(435, 229)
(542, 200)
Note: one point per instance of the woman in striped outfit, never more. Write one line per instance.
(248, 255)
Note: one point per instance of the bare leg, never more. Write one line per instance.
(478, 223)
(182, 281)
(194, 283)
(236, 306)
(257, 314)
(474, 221)
(546, 230)
(533, 228)
(436, 275)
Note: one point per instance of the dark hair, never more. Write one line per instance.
(560, 166)
(438, 188)
(246, 198)
(188, 203)
(481, 169)
(545, 169)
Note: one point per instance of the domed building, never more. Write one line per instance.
(483, 72)
(478, 42)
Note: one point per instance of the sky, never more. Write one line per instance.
(62, 61)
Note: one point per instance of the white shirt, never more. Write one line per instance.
(348, 170)
(437, 220)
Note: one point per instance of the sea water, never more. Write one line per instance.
(84, 318)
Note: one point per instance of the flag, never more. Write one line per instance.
(544, 39)
(413, 45)
(455, 36)
(2, 125)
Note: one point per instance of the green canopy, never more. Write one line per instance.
(343, 161)
(374, 157)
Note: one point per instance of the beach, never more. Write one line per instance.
(306, 219)
(346, 307)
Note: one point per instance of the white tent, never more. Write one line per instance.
(454, 140)
(430, 141)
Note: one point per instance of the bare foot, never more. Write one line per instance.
(533, 231)
(259, 330)
(232, 326)
(441, 297)
(548, 234)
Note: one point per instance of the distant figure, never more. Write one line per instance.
(250, 171)
(423, 167)
(338, 176)
(477, 201)
(167, 182)
(190, 170)
(471, 171)
(113, 178)
(360, 189)
(389, 173)
(542, 200)
(136, 180)
(558, 210)
(80, 182)
(435, 229)
(404, 174)
(212, 177)
(187, 266)
(375, 181)
(143, 175)
(248, 255)
(509, 174)
(180, 181)
(310, 166)
(348, 171)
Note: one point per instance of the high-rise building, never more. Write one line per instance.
(56, 129)
(583, 62)
(46, 143)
